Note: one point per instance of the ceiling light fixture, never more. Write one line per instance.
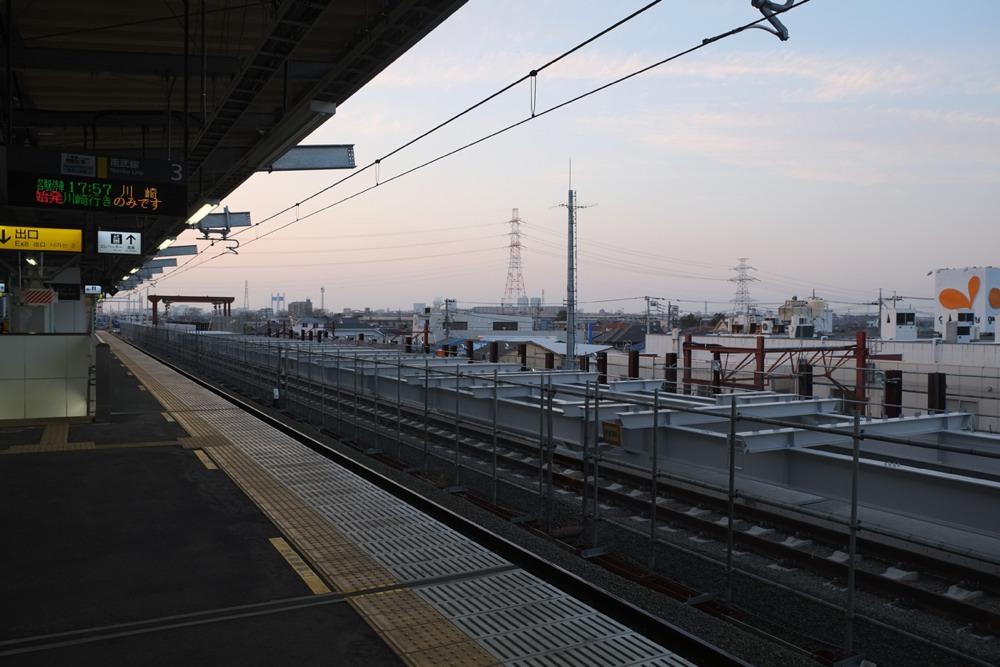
(205, 209)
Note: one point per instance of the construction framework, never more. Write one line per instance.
(728, 362)
(223, 303)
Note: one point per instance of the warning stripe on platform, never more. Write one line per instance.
(36, 297)
(310, 578)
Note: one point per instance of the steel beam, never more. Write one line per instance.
(306, 158)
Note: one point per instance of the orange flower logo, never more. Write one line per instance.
(953, 299)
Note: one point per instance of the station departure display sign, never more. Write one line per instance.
(95, 183)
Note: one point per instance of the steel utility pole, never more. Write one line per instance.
(570, 362)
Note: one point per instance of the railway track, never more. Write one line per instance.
(907, 578)
(400, 434)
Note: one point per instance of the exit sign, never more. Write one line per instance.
(44, 239)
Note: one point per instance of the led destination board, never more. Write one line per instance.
(95, 183)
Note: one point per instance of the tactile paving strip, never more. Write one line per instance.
(55, 438)
(523, 620)
(466, 607)
(257, 458)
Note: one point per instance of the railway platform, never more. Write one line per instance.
(183, 530)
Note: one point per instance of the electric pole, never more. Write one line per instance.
(570, 362)
(651, 302)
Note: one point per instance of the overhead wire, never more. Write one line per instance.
(369, 261)
(191, 264)
(421, 231)
(384, 247)
(452, 119)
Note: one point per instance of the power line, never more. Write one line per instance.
(531, 75)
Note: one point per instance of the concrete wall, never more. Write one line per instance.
(44, 377)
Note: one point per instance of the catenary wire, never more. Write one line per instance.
(191, 264)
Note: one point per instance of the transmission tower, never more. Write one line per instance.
(742, 303)
(246, 295)
(514, 292)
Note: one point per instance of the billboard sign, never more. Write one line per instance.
(974, 291)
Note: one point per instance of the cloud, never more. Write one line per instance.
(813, 78)
(820, 77)
(821, 120)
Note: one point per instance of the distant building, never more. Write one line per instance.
(625, 336)
(317, 326)
(970, 299)
(452, 324)
(899, 324)
(300, 308)
(351, 328)
(806, 318)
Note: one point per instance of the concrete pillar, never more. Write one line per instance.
(893, 393)
(937, 392)
(716, 373)
(804, 380)
(688, 360)
(102, 410)
(759, 364)
(670, 372)
(633, 363)
(860, 373)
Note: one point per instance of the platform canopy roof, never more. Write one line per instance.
(190, 97)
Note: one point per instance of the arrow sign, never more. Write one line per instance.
(46, 239)
(119, 243)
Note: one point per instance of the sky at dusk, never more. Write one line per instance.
(862, 153)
